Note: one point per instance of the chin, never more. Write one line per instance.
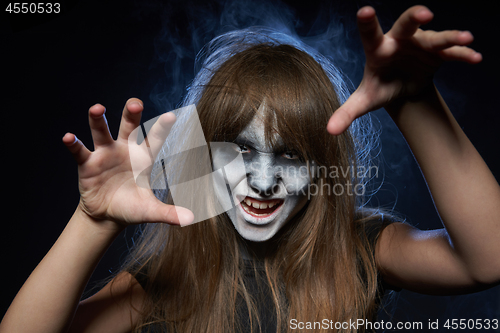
(256, 234)
(259, 225)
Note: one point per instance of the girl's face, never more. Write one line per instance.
(270, 191)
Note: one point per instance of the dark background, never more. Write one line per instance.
(54, 67)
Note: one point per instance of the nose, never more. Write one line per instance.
(262, 176)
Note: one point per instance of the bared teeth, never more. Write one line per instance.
(257, 204)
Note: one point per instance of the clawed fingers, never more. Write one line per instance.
(461, 53)
(401, 63)
(131, 118)
(339, 122)
(100, 135)
(151, 135)
(76, 147)
(369, 28)
(450, 45)
(409, 22)
(100, 130)
(99, 126)
(355, 106)
(162, 213)
(436, 41)
(159, 131)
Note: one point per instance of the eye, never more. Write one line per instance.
(291, 155)
(242, 148)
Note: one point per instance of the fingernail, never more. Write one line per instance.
(135, 103)
(186, 217)
(99, 114)
(75, 139)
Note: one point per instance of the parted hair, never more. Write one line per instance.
(321, 264)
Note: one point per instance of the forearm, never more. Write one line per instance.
(465, 192)
(48, 299)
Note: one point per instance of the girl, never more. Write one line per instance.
(278, 254)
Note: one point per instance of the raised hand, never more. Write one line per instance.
(401, 63)
(108, 190)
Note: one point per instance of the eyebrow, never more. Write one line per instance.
(246, 140)
(278, 147)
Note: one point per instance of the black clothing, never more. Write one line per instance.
(255, 280)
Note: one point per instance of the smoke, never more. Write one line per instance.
(186, 26)
(329, 28)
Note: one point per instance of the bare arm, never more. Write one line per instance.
(115, 308)
(109, 201)
(465, 193)
(49, 298)
(398, 76)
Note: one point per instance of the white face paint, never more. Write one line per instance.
(275, 187)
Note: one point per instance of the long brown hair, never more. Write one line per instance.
(321, 264)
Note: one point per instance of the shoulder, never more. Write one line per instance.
(371, 222)
(422, 261)
(115, 308)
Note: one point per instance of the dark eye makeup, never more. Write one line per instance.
(244, 145)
